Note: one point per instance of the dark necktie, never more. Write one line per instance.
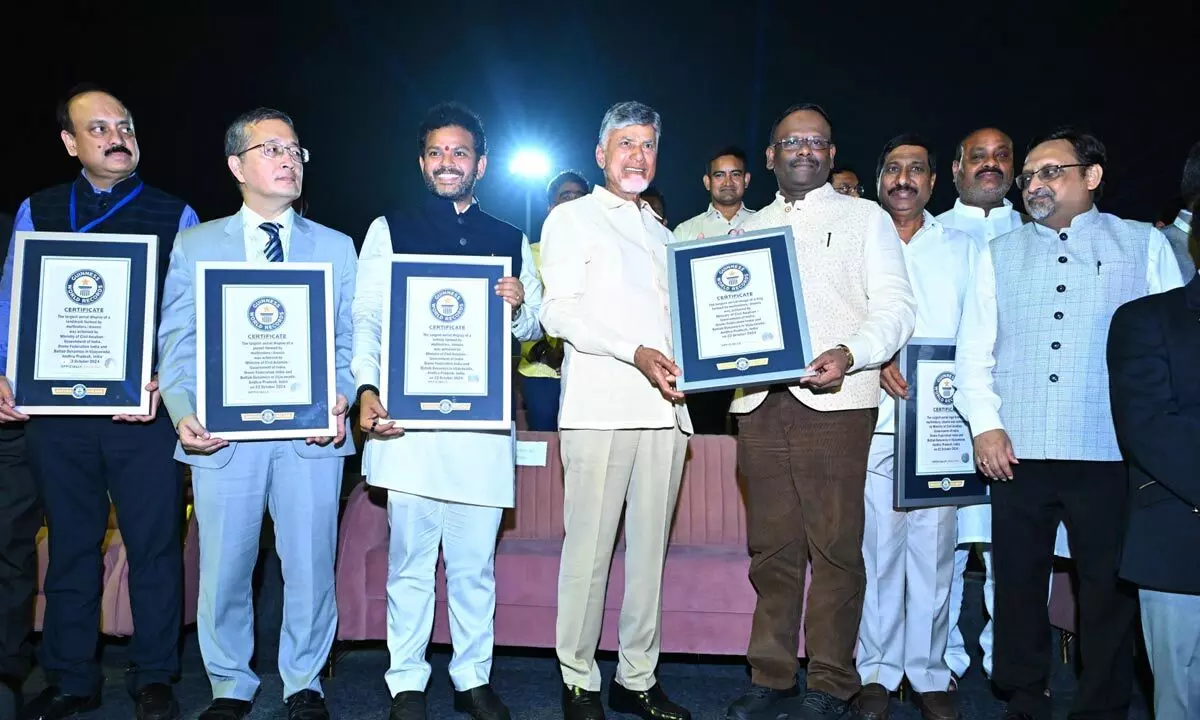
(274, 248)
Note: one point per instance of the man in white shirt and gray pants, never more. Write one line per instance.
(1033, 384)
(623, 428)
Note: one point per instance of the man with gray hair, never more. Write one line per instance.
(623, 426)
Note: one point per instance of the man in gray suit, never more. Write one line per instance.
(233, 482)
(1178, 231)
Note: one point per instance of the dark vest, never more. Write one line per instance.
(152, 212)
(434, 227)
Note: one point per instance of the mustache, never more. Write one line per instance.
(452, 170)
(1041, 193)
(802, 160)
(900, 188)
(989, 169)
(118, 149)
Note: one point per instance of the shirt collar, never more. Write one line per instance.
(607, 199)
(107, 191)
(713, 212)
(1183, 221)
(971, 211)
(252, 219)
(819, 194)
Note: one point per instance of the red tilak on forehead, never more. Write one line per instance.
(446, 149)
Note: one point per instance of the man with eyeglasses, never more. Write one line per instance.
(1033, 384)
(447, 489)
(803, 445)
(726, 180)
(846, 182)
(541, 360)
(85, 465)
(297, 481)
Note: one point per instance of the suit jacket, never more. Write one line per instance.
(223, 240)
(1154, 380)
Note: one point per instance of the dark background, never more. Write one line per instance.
(358, 76)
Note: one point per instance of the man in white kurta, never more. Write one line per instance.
(983, 174)
(622, 426)
(909, 554)
(448, 488)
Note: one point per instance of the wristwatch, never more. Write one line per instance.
(849, 356)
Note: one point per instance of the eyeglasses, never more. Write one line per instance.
(1047, 174)
(848, 189)
(792, 144)
(275, 150)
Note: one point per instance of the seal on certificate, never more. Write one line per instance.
(266, 314)
(268, 416)
(943, 388)
(85, 287)
(445, 407)
(733, 277)
(79, 392)
(447, 305)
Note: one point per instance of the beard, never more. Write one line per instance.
(463, 189)
(635, 184)
(1040, 204)
(975, 194)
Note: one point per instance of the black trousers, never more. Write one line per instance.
(1092, 499)
(79, 464)
(20, 520)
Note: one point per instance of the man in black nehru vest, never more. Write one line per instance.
(80, 463)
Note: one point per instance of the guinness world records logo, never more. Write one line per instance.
(733, 277)
(85, 287)
(266, 314)
(447, 305)
(943, 388)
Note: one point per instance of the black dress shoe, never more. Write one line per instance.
(53, 704)
(156, 701)
(580, 704)
(818, 705)
(481, 703)
(408, 705)
(651, 704)
(757, 699)
(226, 709)
(307, 705)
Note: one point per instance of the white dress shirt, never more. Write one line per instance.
(940, 262)
(471, 467)
(256, 237)
(976, 398)
(982, 227)
(604, 264)
(711, 223)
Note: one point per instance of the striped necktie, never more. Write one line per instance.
(274, 248)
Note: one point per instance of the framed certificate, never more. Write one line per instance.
(81, 325)
(264, 350)
(446, 360)
(737, 310)
(935, 456)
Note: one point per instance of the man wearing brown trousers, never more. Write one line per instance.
(803, 447)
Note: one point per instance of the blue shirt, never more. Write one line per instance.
(24, 223)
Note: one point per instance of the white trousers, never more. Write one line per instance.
(466, 535)
(603, 471)
(909, 559)
(302, 496)
(956, 650)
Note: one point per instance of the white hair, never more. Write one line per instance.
(625, 114)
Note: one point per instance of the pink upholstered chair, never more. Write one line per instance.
(707, 597)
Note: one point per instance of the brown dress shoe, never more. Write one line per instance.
(938, 705)
(873, 702)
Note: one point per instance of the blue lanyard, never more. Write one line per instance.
(124, 201)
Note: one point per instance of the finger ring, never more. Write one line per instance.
(984, 461)
(374, 422)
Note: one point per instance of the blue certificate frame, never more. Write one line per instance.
(778, 351)
(935, 460)
(81, 323)
(264, 350)
(446, 359)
